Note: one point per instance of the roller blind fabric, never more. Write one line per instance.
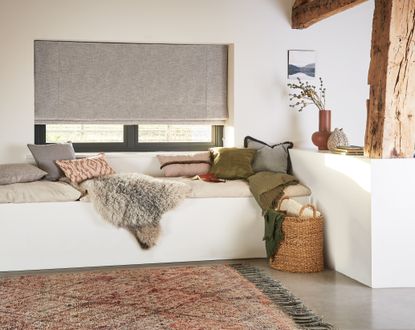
(126, 83)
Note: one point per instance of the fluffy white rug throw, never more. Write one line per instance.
(136, 202)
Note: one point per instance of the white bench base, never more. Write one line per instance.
(66, 235)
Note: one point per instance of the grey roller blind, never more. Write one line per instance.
(88, 82)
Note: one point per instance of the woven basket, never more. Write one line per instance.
(301, 250)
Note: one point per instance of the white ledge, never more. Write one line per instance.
(369, 220)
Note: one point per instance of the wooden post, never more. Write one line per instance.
(307, 12)
(390, 129)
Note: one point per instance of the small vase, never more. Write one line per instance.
(321, 137)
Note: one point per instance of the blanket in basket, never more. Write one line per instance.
(268, 187)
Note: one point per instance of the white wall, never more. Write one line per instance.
(259, 29)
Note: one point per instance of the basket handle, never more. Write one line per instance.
(280, 202)
(308, 206)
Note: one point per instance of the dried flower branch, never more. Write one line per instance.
(305, 94)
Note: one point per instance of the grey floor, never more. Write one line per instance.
(341, 301)
(348, 304)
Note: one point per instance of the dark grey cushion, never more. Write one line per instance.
(46, 155)
(273, 158)
(16, 173)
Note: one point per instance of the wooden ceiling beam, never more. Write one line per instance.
(390, 128)
(307, 12)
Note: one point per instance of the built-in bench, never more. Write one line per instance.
(71, 234)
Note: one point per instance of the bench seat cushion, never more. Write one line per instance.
(232, 188)
(38, 191)
(202, 189)
(47, 191)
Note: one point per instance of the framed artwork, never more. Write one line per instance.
(301, 64)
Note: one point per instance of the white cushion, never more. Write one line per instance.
(38, 191)
(296, 190)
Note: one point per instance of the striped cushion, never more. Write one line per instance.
(79, 170)
(185, 165)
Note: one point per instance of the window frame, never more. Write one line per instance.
(131, 143)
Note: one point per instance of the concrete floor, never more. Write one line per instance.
(347, 304)
(341, 301)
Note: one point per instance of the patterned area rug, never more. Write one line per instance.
(196, 297)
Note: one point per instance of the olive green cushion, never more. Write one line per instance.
(232, 163)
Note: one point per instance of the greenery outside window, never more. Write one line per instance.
(146, 137)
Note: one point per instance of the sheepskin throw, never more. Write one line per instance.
(136, 202)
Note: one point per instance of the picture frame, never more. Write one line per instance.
(302, 64)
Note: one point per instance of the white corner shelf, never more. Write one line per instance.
(369, 217)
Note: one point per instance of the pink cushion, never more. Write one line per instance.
(185, 165)
(78, 170)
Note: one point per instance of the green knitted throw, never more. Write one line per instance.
(268, 187)
(273, 231)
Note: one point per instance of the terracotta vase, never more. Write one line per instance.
(321, 137)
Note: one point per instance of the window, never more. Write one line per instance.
(146, 137)
(89, 93)
(174, 133)
(84, 133)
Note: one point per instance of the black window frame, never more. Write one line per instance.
(131, 143)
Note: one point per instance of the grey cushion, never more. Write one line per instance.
(269, 158)
(15, 173)
(46, 155)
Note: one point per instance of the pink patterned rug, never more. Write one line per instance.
(196, 297)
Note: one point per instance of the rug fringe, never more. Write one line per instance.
(294, 307)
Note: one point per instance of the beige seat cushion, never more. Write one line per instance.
(230, 188)
(38, 191)
(202, 189)
(233, 188)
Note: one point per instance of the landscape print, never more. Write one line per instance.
(301, 64)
